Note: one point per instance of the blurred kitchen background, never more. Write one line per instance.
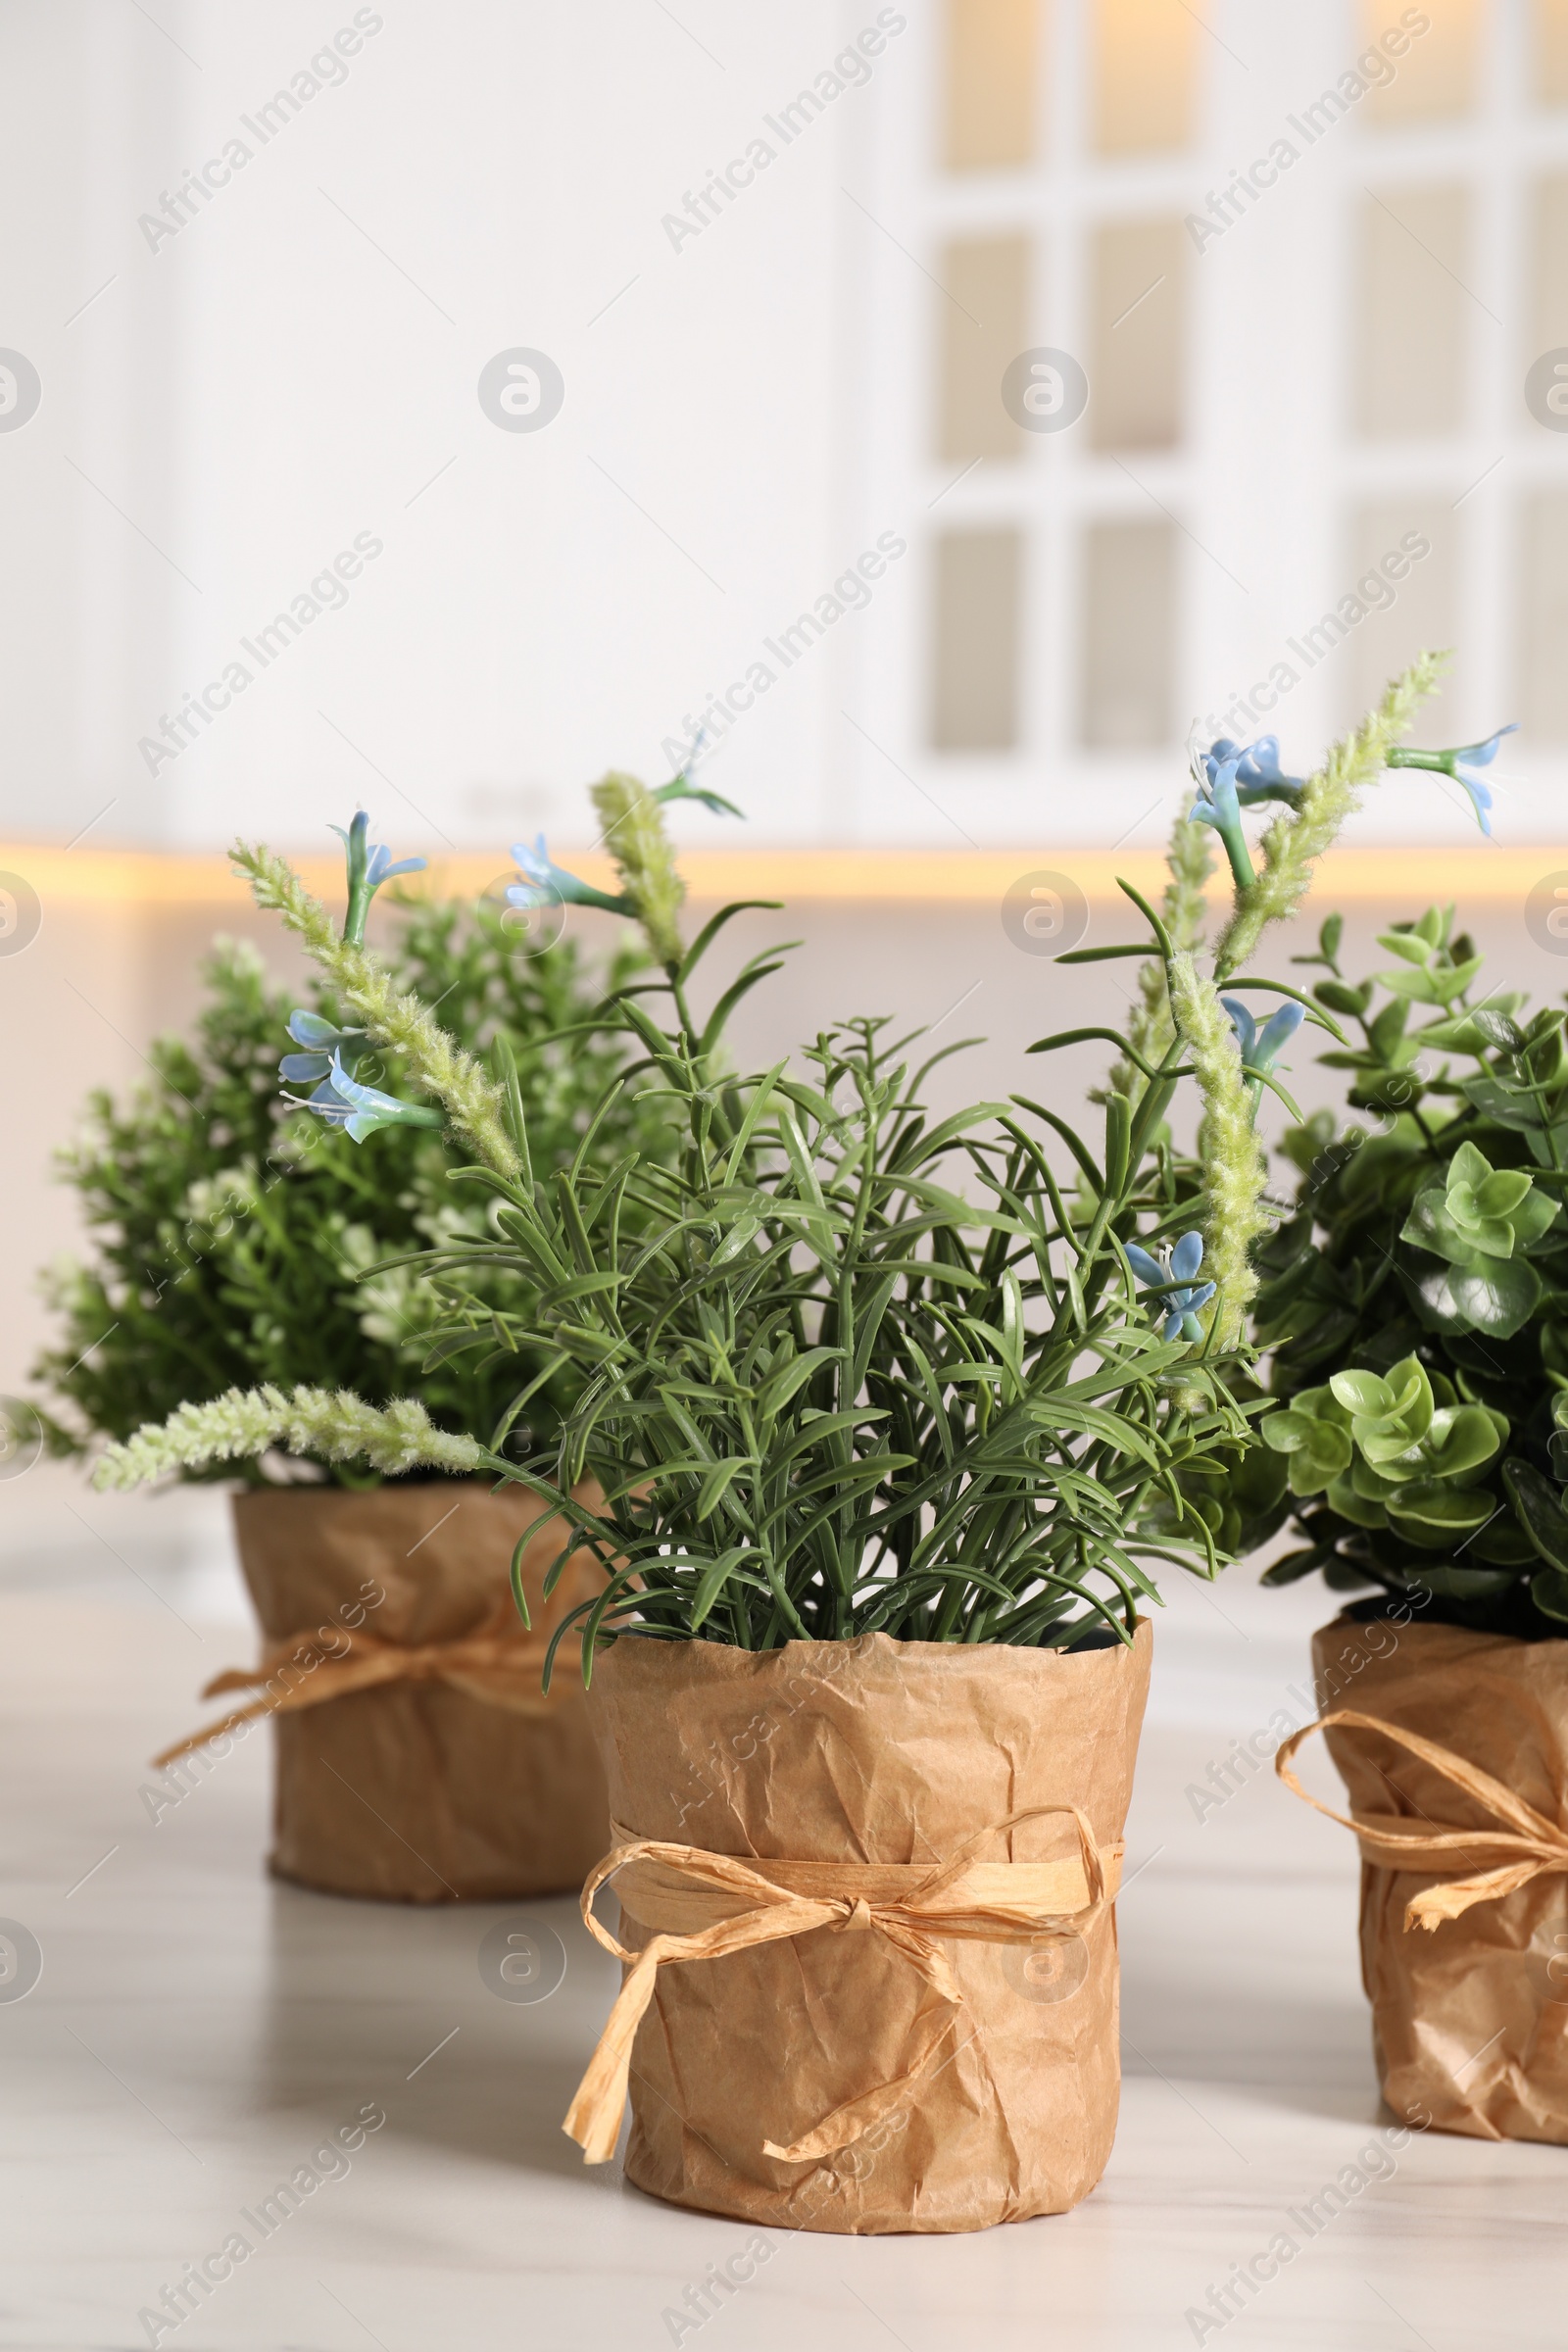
(928, 413)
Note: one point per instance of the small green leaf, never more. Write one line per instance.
(716, 1484)
(1452, 1033)
(1533, 1219)
(1286, 1431)
(1386, 1448)
(1498, 1301)
(1362, 1392)
(1500, 1194)
(1466, 1584)
(1336, 998)
(1469, 1165)
(1506, 1104)
(1360, 1509)
(1493, 1237)
(1430, 1511)
(1371, 1485)
(1497, 1029)
(1407, 944)
(1387, 1029)
(1461, 1439)
(1412, 1395)
(1414, 987)
(1325, 1452)
(1294, 1564)
(1428, 1226)
(1540, 1512)
(1321, 1404)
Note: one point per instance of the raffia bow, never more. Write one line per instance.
(1535, 1845)
(704, 1905)
(499, 1663)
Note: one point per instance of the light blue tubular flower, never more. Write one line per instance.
(542, 882)
(370, 865)
(1258, 775)
(1179, 1308)
(362, 1109)
(1219, 804)
(1465, 764)
(1233, 776)
(1262, 1046)
(323, 1041)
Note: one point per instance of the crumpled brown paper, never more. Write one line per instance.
(886, 1752)
(1469, 2017)
(422, 1791)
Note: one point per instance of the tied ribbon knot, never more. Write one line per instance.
(703, 1906)
(1532, 1845)
(499, 1663)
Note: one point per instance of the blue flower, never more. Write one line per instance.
(342, 1102)
(323, 1041)
(1256, 769)
(1219, 802)
(543, 883)
(1179, 1308)
(1261, 1048)
(541, 877)
(1463, 765)
(370, 865)
(1476, 755)
(1219, 805)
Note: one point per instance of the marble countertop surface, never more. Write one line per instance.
(198, 2030)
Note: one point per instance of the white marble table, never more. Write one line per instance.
(197, 2030)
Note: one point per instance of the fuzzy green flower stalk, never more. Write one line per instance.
(1309, 823)
(633, 824)
(249, 1422)
(1300, 835)
(472, 1102)
(1232, 1157)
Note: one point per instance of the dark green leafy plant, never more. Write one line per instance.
(1416, 1303)
(234, 1236)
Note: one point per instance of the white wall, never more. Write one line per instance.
(743, 416)
(265, 384)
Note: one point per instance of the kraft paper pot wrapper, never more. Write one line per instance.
(875, 1751)
(1469, 2017)
(423, 1791)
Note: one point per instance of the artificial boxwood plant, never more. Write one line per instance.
(1415, 1304)
(235, 1231)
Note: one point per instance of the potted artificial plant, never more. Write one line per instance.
(231, 1233)
(889, 1422)
(1416, 1309)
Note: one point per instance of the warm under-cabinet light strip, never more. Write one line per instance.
(1398, 877)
